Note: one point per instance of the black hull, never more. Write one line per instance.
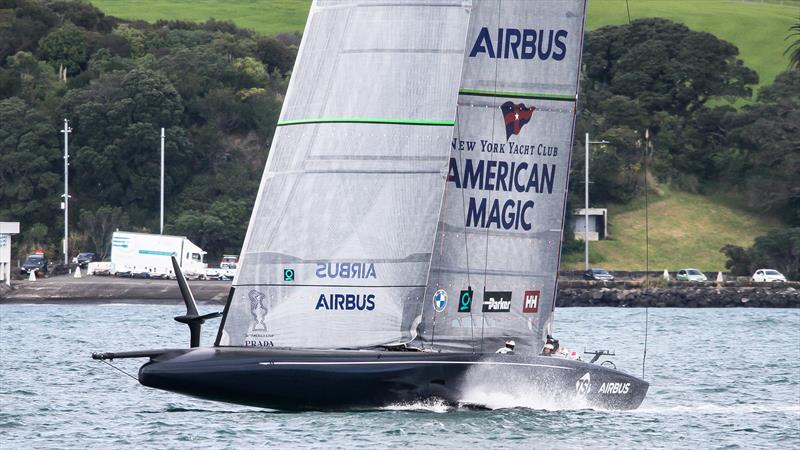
(328, 380)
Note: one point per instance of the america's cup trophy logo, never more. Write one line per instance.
(258, 309)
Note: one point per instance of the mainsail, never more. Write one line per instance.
(499, 234)
(339, 244)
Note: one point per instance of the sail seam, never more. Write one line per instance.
(432, 123)
(526, 95)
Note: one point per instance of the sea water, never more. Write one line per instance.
(720, 378)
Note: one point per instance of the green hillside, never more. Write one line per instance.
(757, 28)
(264, 16)
(686, 230)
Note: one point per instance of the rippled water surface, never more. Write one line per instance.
(719, 378)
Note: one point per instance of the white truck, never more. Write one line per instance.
(144, 255)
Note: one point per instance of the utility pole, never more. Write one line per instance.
(162, 181)
(586, 203)
(586, 208)
(67, 130)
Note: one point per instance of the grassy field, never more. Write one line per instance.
(264, 16)
(686, 230)
(758, 28)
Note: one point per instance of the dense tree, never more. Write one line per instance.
(794, 46)
(656, 75)
(210, 85)
(664, 65)
(778, 250)
(98, 226)
(65, 47)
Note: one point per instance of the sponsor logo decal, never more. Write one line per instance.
(497, 301)
(465, 301)
(257, 335)
(258, 309)
(530, 303)
(499, 175)
(583, 384)
(515, 117)
(346, 302)
(615, 388)
(288, 274)
(440, 300)
(513, 43)
(346, 270)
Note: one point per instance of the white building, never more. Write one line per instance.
(6, 230)
(598, 223)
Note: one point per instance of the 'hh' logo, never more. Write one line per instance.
(531, 302)
(515, 117)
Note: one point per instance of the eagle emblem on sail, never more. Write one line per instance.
(516, 116)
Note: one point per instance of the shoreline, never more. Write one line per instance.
(93, 290)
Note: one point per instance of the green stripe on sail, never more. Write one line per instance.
(530, 95)
(436, 123)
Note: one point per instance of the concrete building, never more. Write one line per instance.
(6, 230)
(598, 223)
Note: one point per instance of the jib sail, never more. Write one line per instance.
(493, 273)
(339, 244)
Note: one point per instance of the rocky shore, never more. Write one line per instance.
(681, 297)
(65, 289)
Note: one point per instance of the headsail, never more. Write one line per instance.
(499, 233)
(338, 248)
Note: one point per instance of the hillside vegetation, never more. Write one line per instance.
(686, 230)
(218, 88)
(758, 29)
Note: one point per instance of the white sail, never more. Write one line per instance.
(338, 248)
(501, 222)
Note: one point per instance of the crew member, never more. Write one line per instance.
(508, 348)
(551, 346)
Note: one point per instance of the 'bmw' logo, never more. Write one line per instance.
(440, 300)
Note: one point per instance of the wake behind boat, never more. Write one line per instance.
(413, 200)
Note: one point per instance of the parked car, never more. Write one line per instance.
(34, 263)
(691, 275)
(598, 274)
(768, 276)
(228, 274)
(213, 273)
(229, 262)
(83, 259)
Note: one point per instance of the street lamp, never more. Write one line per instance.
(586, 202)
(67, 130)
(162, 183)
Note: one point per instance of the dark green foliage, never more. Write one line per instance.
(64, 47)
(779, 250)
(664, 65)
(215, 88)
(759, 150)
(794, 46)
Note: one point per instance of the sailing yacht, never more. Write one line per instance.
(409, 219)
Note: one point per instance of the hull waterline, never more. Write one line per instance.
(329, 380)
